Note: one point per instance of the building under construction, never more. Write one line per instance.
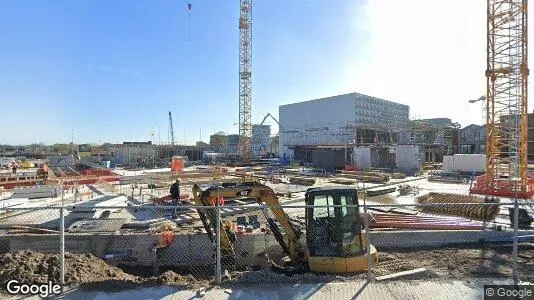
(147, 154)
(354, 120)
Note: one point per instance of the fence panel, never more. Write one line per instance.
(423, 243)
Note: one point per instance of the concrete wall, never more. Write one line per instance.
(362, 157)
(408, 157)
(433, 238)
(197, 249)
(465, 162)
(328, 158)
(186, 250)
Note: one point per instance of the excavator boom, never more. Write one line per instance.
(265, 196)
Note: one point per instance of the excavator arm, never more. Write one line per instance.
(265, 196)
(291, 244)
(208, 216)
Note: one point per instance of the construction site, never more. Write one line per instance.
(349, 190)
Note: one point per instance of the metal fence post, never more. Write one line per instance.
(514, 254)
(218, 243)
(62, 239)
(368, 244)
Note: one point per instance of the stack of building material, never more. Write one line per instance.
(373, 177)
(452, 177)
(456, 205)
(12, 202)
(36, 192)
(423, 222)
(344, 181)
(302, 180)
(398, 175)
(381, 191)
(405, 189)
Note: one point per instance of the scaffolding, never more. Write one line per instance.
(506, 102)
(438, 139)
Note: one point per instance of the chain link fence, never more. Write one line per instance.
(246, 244)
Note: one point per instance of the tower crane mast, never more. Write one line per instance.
(506, 102)
(245, 80)
(171, 129)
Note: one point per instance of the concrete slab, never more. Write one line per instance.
(97, 225)
(36, 192)
(100, 201)
(420, 289)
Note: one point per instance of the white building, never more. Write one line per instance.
(331, 121)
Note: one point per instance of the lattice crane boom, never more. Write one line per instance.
(245, 80)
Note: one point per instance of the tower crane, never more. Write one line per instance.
(506, 102)
(171, 129)
(245, 80)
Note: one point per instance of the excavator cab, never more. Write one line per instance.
(334, 231)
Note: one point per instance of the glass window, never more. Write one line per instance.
(323, 212)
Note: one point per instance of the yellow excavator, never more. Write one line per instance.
(335, 240)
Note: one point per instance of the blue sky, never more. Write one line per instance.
(111, 70)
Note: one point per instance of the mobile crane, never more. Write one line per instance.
(334, 236)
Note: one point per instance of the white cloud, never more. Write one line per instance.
(430, 55)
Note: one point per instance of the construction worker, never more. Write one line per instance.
(175, 191)
(14, 167)
(45, 173)
(175, 194)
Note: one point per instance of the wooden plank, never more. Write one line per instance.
(400, 274)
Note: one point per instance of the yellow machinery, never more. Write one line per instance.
(334, 235)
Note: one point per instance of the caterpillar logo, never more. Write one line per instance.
(245, 192)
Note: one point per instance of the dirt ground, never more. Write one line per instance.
(85, 270)
(459, 262)
(90, 272)
(473, 261)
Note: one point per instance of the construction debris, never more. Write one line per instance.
(405, 189)
(344, 181)
(477, 212)
(450, 177)
(302, 180)
(372, 177)
(398, 175)
(380, 191)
